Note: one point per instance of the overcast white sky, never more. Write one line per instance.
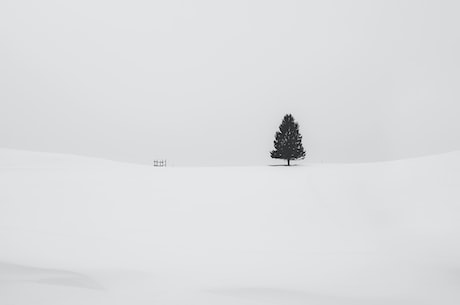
(208, 82)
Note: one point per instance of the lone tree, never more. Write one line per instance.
(288, 141)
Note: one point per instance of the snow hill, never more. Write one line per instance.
(85, 231)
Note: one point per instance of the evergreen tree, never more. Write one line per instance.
(288, 141)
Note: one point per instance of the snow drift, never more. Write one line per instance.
(85, 231)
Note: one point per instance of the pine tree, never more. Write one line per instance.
(288, 141)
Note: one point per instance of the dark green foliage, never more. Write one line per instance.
(288, 141)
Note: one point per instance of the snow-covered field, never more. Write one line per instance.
(85, 231)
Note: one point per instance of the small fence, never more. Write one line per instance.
(159, 163)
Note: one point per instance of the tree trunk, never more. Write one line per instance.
(289, 162)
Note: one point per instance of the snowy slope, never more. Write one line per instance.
(85, 231)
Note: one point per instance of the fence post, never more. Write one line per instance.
(159, 163)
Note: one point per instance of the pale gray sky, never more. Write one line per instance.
(208, 82)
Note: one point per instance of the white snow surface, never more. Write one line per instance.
(85, 231)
